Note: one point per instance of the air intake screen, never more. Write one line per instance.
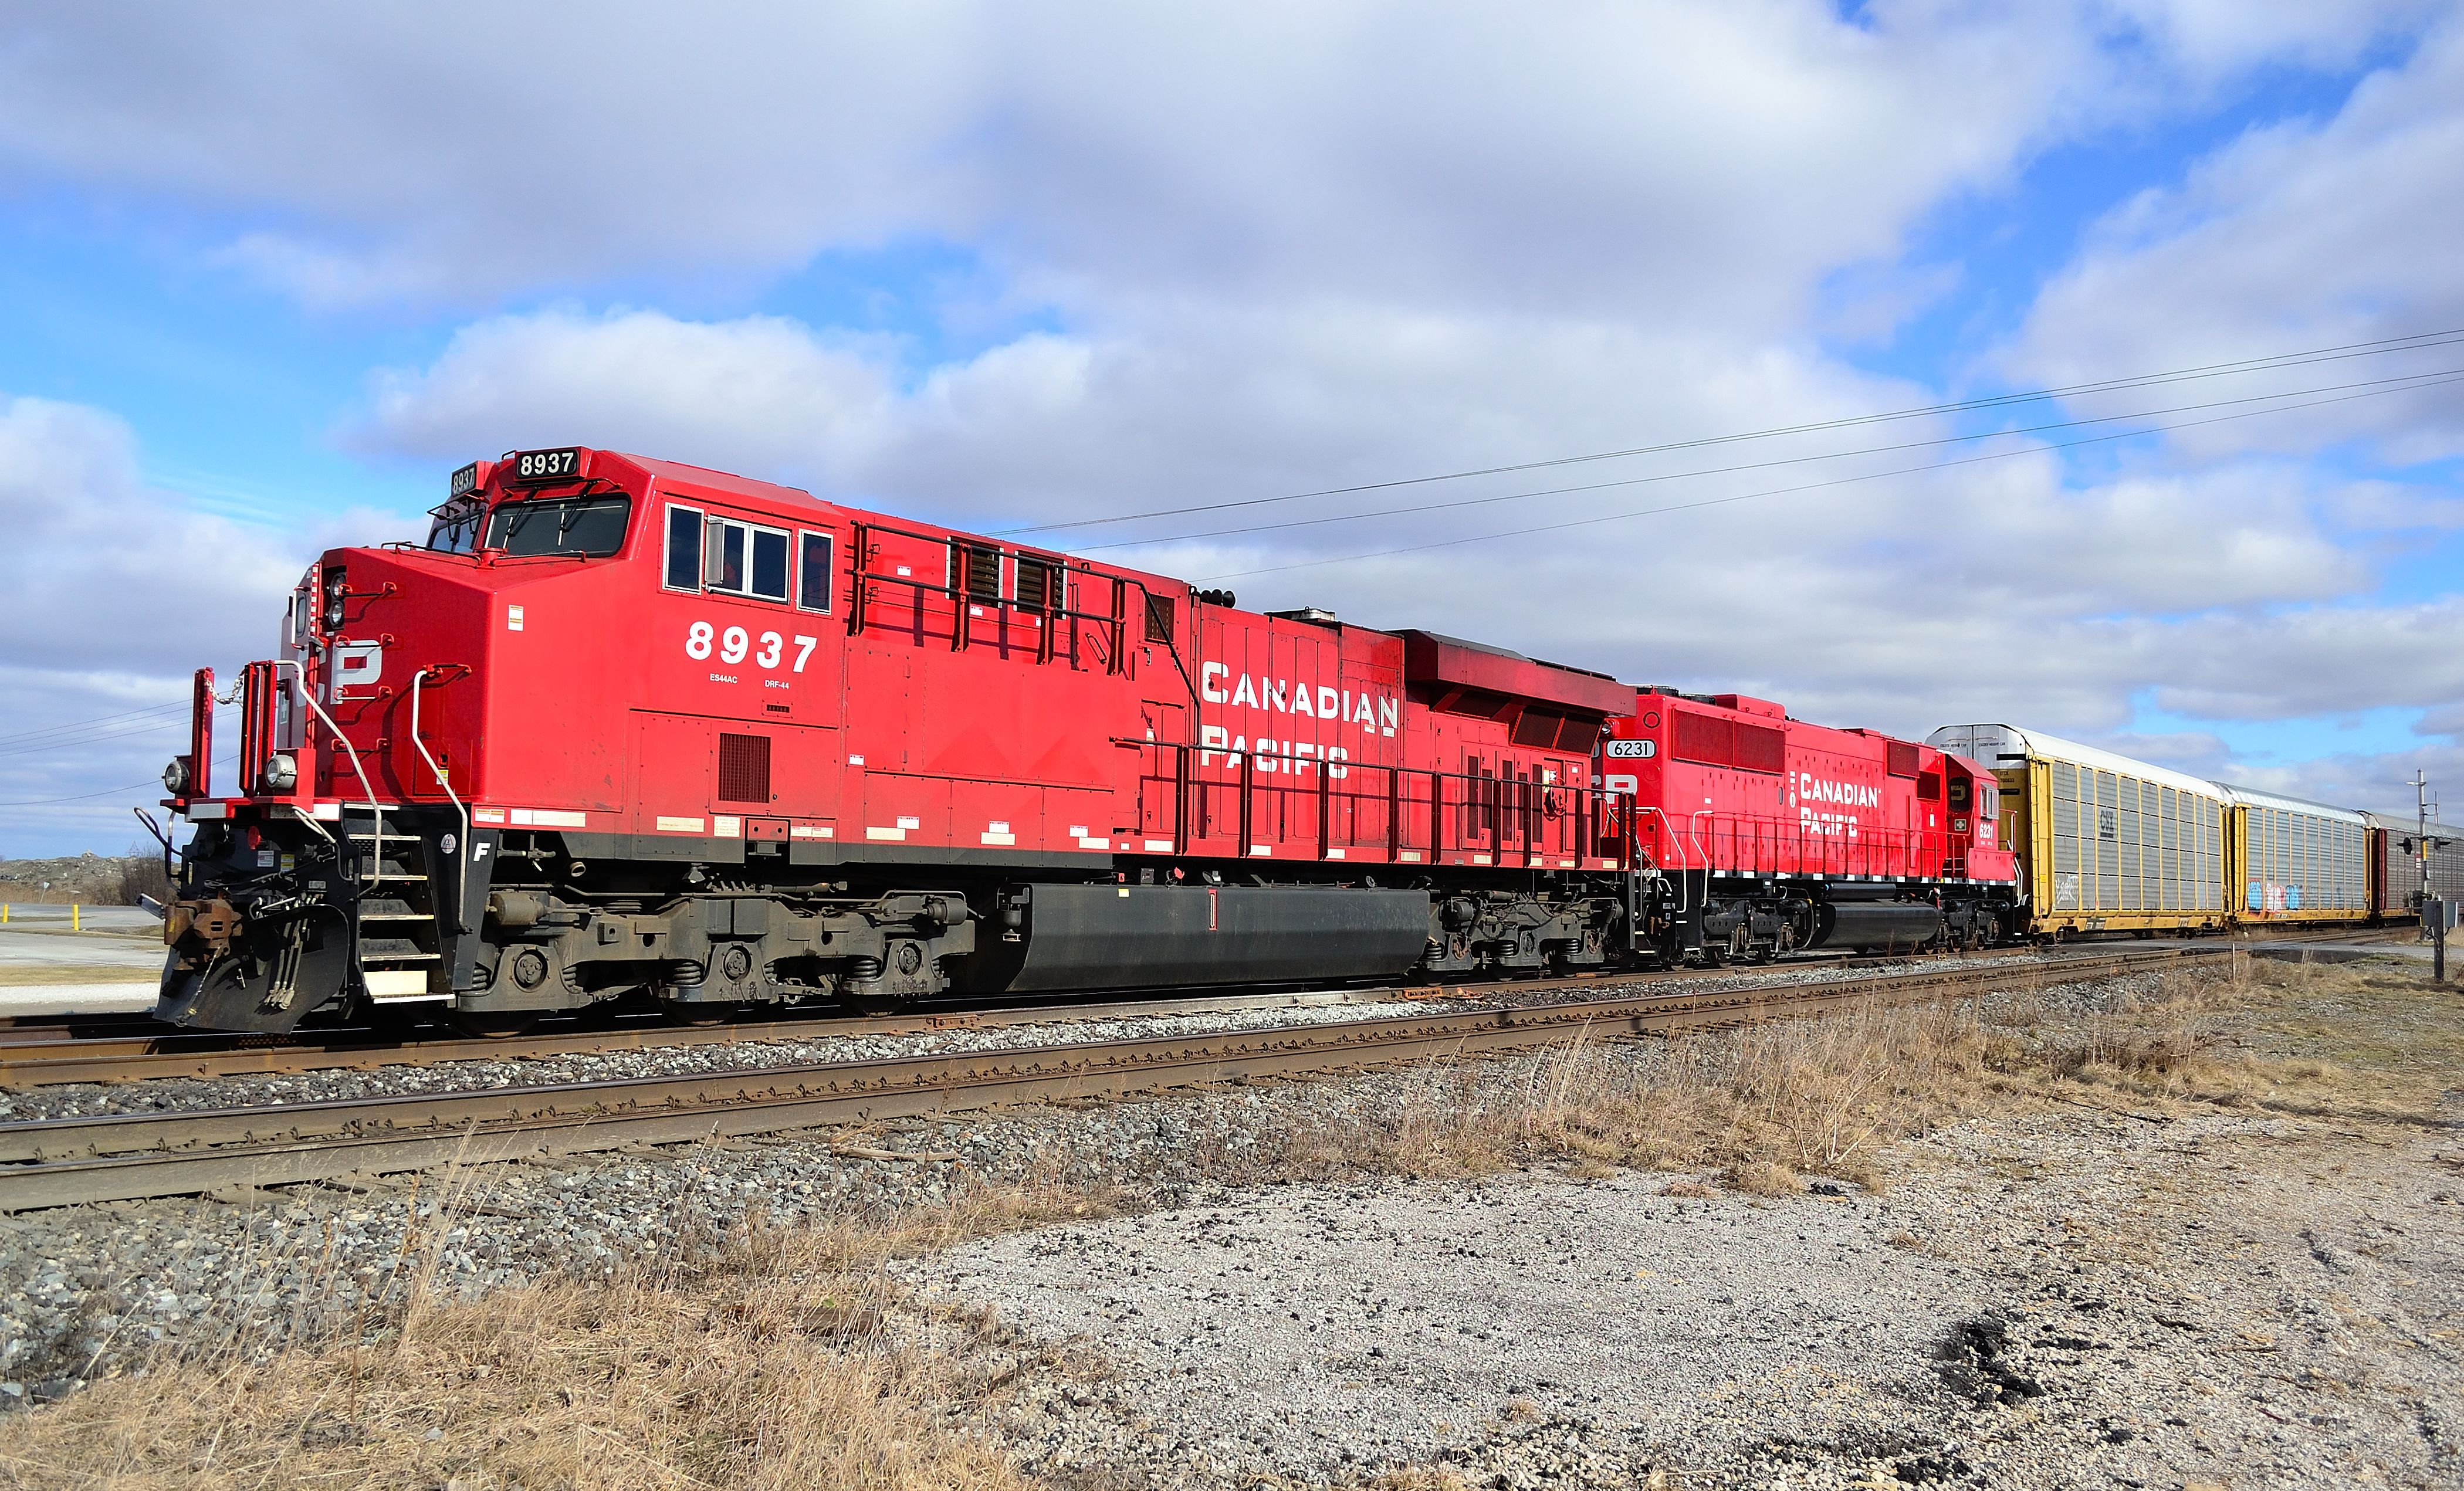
(1581, 733)
(1761, 750)
(1902, 761)
(1538, 728)
(1700, 738)
(744, 769)
(982, 576)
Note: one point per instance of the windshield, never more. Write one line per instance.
(456, 527)
(565, 525)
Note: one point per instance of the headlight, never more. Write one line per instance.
(281, 772)
(175, 776)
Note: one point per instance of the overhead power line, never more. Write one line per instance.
(2379, 347)
(83, 797)
(149, 712)
(2393, 384)
(78, 741)
(150, 783)
(1836, 481)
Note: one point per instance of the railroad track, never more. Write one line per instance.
(73, 1161)
(44, 1050)
(105, 1049)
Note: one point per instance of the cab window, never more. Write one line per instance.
(813, 574)
(1959, 792)
(583, 527)
(744, 559)
(457, 527)
(684, 548)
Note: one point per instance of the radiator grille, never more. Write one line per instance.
(744, 768)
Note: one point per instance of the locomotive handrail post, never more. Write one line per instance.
(376, 813)
(862, 571)
(1325, 811)
(1120, 658)
(1180, 835)
(1393, 815)
(1494, 813)
(1248, 783)
(462, 845)
(201, 736)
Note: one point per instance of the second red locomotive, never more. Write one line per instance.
(624, 727)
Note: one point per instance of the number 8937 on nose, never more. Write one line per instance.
(735, 643)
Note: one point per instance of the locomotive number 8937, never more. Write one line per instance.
(628, 729)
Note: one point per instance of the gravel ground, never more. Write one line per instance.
(99, 1288)
(2067, 1301)
(2064, 1298)
(175, 1094)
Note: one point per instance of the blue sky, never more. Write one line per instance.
(265, 279)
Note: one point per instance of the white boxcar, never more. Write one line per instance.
(2105, 843)
(2293, 859)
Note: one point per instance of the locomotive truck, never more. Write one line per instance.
(626, 729)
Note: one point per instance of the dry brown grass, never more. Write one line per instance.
(1768, 1105)
(1759, 1106)
(767, 1359)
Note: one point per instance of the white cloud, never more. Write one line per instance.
(1681, 160)
(761, 393)
(111, 593)
(2300, 233)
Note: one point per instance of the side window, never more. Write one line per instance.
(813, 575)
(770, 564)
(684, 548)
(1159, 618)
(1039, 584)
(739, 559)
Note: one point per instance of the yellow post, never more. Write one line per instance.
(74, 924)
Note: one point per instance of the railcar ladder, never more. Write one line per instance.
(396, 929)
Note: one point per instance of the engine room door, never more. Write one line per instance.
(1159, 798)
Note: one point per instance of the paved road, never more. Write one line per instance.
(76, 999)
(33, 948)
(125, 939)
(124, 920)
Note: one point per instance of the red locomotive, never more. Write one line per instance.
(627, 728)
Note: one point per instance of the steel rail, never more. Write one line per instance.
(157, 1053)
(119, 1058)
(73, 1161)
(56, 1050)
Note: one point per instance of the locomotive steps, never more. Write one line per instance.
(78, 1161)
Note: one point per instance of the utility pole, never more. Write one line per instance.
(2434, 912)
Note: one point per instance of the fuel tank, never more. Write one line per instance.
(1883, 925)
(1099, 937)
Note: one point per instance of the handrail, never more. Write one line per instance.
(376, 813)
(859, 574)
(1390, 797)
(462, 847)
